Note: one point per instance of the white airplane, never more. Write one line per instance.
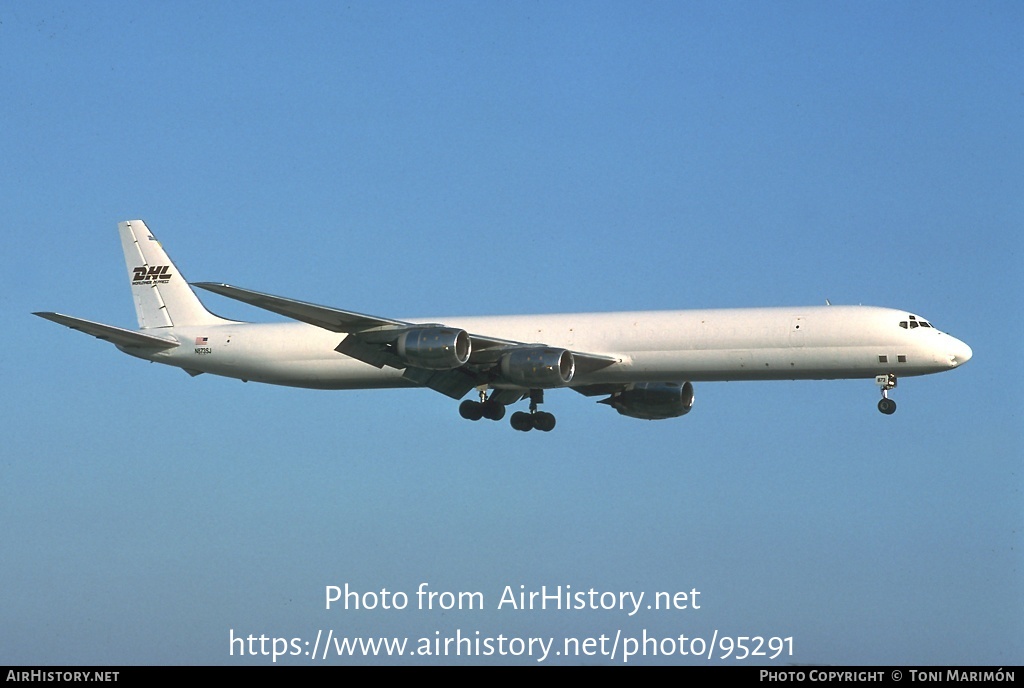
(644, 362)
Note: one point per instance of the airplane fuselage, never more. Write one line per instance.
(819, 342)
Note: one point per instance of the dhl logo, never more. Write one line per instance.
(155, 274)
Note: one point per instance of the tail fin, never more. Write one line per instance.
(162, 296)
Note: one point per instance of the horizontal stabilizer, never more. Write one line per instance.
(115, 335)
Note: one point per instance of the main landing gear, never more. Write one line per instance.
(485, 408)
(543, 421)
(493, 409)
(886, 382)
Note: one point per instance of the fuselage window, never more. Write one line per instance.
(883, 359)
(901, 358)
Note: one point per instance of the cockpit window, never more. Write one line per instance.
(913, 323)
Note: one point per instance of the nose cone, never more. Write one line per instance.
(959, 353)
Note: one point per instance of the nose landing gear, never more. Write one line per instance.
(886, 382)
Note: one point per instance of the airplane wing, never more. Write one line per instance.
(332, 319)
(372, 339)
(601, 389)
(115, 335)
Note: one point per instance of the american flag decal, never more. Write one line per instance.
(201, 341)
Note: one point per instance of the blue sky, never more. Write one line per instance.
(408, 159)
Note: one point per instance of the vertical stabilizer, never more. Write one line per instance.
(162, 296)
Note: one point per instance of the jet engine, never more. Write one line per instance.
(435, 348)
(653, 400)
(538, 368)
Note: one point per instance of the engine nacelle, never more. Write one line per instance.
(654, 400)
(435, 348)
(539, 368)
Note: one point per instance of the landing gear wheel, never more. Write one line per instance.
(887, 406)
(492, 410)
(543, 421)
(471, 410)
(521, 421)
